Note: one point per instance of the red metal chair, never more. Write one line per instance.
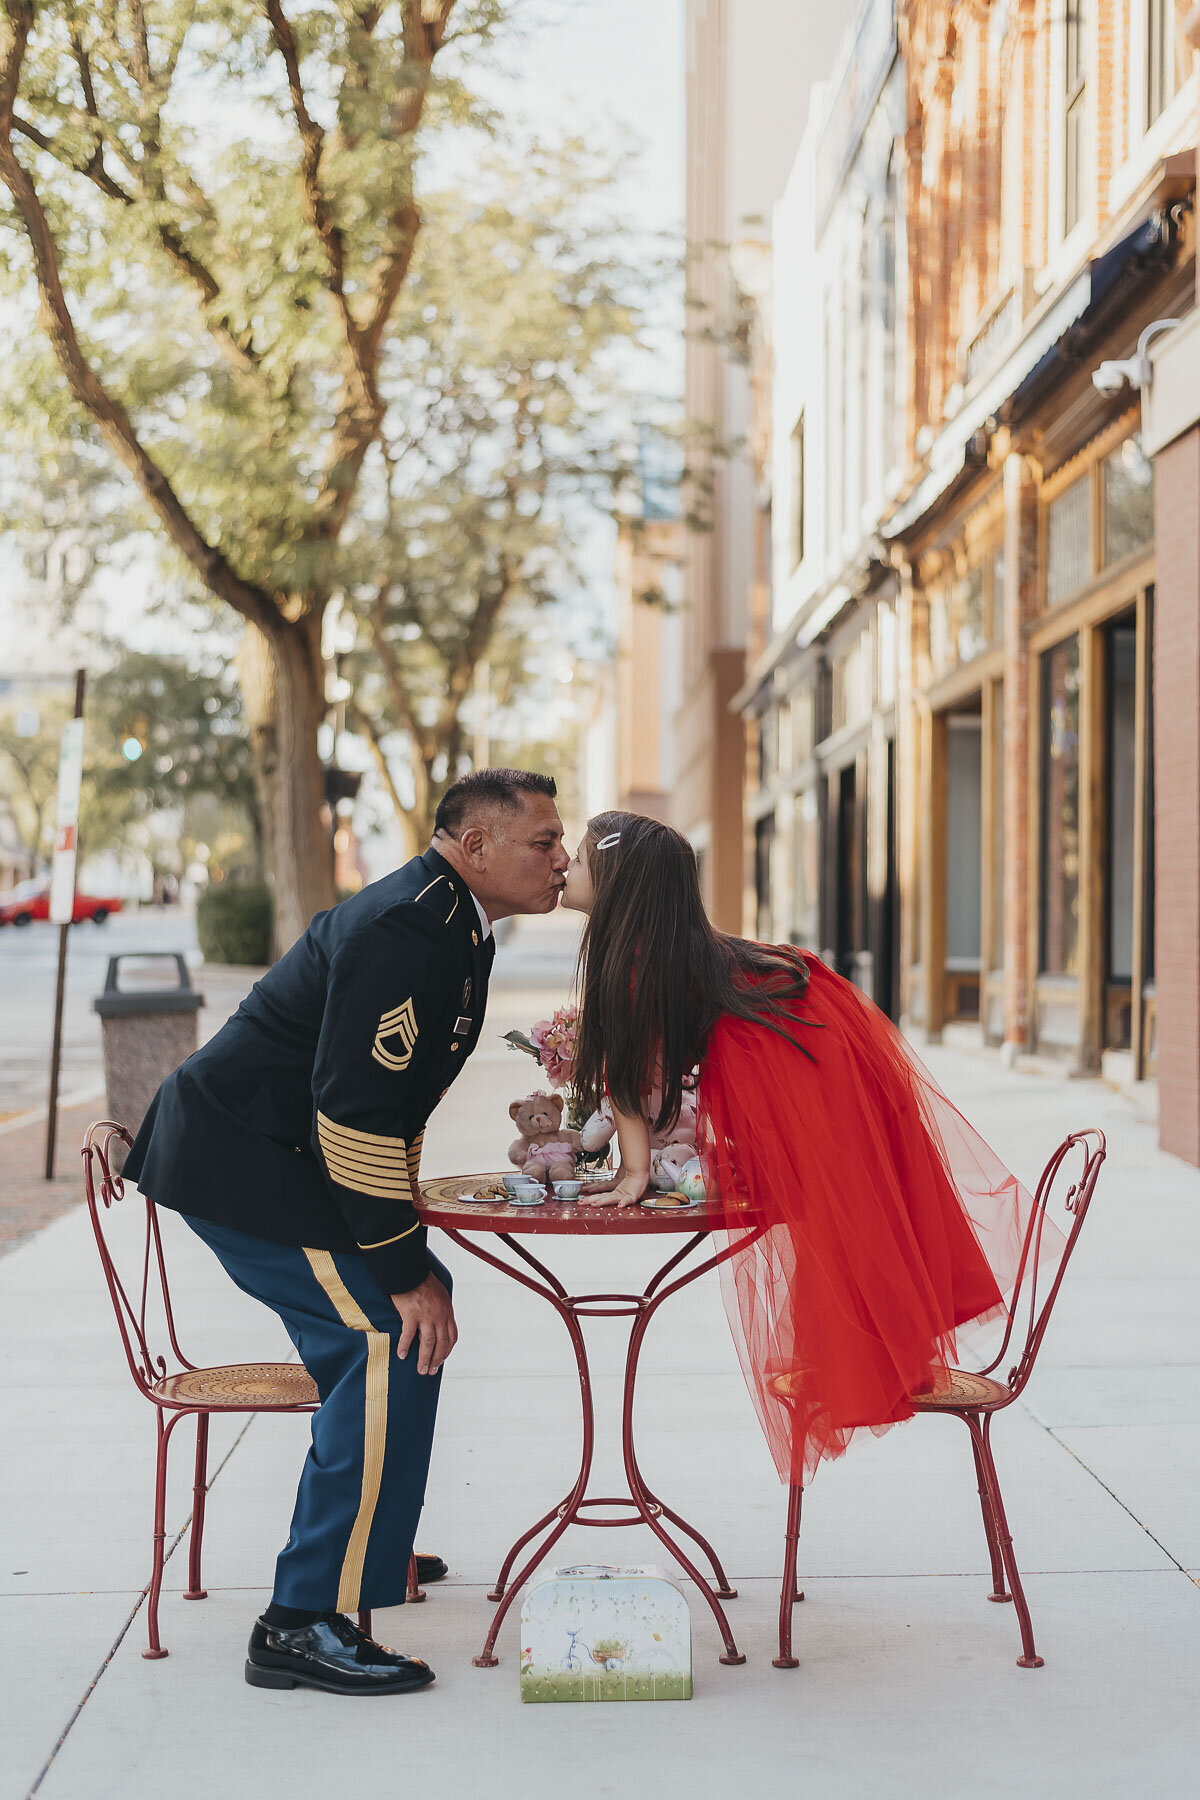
(175, 1386)
(976, 1397)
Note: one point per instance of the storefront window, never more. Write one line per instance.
(1060, 809)
(963, 841)
(939, 630)
(1128, 500)
(996, 608)
(971, 634)
(852, 683)
(807, 873)
(996, 947)
(764, 841)
(886, 630)
(802, 724)
(1122, 664)
(768, 747)
(1068, 541)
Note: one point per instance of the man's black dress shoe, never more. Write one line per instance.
(429, 1568)
(331, 1654)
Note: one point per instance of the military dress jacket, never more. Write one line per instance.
(302, 1119)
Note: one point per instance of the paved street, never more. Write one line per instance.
(28, 964)
(908, 1684)
(28, 961)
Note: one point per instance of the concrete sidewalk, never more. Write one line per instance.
(908, 1683)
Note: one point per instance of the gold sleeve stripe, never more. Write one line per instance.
(392, 1240)
(400, 1189)
(425, 889)
(348, 1132)
(453, 910)
(370, 1165)
(375, 1401)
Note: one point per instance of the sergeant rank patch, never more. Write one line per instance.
(399, 1025)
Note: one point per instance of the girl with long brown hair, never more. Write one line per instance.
(871, 1222)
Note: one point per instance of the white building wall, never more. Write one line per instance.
(838, 320)
(741, 146)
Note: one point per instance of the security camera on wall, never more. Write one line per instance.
(1111, 377)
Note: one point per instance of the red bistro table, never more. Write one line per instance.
(440, 1206)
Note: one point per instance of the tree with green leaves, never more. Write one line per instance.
(29, 774)
(511, 411)
(163, 734)
(166, 755)
(212, 214)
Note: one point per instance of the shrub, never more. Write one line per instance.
(233, 923)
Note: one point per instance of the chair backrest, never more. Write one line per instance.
(1030, 1309)
(141, 1298)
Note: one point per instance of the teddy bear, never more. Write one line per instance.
(669, 1149)
(546, 1150)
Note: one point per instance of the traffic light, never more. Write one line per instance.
(133, 741)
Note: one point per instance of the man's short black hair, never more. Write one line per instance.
(488, 789)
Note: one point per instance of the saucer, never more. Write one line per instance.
(672, 1201)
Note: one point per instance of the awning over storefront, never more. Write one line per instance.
(1050, 345)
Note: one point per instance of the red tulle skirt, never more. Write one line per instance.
(888, 1223)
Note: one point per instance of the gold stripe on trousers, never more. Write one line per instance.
(374, 1422)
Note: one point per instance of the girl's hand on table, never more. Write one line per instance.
(633, 1171)
(624, 1189)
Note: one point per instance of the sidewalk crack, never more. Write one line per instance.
(135, 1610)
(1100, 1482)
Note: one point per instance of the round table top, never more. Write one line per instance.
(440, 1205)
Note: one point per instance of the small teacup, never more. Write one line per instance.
(567, 1190)
(513, 1182)
(531, 1195)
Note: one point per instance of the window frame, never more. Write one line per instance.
(799, 511)
(1074, 114)
(1088, 467)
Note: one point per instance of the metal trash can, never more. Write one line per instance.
(146, 1032)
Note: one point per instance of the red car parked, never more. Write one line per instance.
(31, 900)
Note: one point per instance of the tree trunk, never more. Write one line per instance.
(283, 686)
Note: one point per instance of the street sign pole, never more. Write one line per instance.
(62, 889)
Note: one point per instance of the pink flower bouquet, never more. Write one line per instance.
(552, 1043)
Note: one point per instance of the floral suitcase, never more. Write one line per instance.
(598, 1632)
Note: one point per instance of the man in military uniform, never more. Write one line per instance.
(291, 1143)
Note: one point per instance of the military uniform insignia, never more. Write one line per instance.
(466, 999)
(399, 1026)
(463, 1023)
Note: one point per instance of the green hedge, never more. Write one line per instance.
(233, 923)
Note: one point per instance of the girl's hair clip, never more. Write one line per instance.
(614, 837)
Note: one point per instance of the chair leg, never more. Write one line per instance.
(155, 1649)
(199, 1491)
(789, 1593)
(414, 1594)
(1029, 1658)
(998, 1592)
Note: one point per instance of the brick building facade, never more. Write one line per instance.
(1031, 822)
